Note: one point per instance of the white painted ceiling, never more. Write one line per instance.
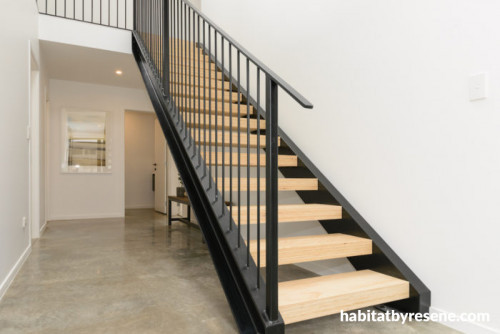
(76, 63)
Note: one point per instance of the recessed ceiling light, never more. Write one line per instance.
(118, 72)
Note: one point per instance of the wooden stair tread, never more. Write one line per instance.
(283, 160)
(284, 184)
(194, 80)
(229, 122)
(218, 139)
(191, 105)
(314, 248)
(288, 213)
(183, 73)
(193, 64)
(221, 85)
(193, 92)
(325, 295)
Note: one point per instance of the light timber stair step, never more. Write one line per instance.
(325, 295)
(192, 61)
(186, 74)
(191, 105)
(314, 248)
(176, 85)
(193, 67)
(283, 160)
(202, 82)
(217, 139)
(288, 213)
(284, 184)
(192, 92)
(228, 121)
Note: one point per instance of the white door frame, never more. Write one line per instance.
(33, 135)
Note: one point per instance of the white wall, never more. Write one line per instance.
(18, 28)
(139, 159)
(61, 30)
(393, 127)
(89, 195)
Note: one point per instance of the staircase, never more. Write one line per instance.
(217, 105)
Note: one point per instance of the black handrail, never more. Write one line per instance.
(212, 107)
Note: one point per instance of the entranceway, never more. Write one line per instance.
(139, 160)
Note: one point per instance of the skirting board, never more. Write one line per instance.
(466, 327)
(143, 206)
(87, 216)
(13, 272)
(43, 228)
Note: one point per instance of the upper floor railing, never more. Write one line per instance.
(111, 13)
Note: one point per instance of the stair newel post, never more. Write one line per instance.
(271, 199)
(166, 51)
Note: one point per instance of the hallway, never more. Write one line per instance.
(136, 275)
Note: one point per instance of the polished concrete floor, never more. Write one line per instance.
(137, 275)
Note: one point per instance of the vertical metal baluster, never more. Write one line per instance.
(239, 146)
(65, 15)
(191, 106)
(271, 199)
(248, 162)
(230, 136)
(148, 15)
(161, 52)
(118, 14)
(184, 69)
(223, 130)
(151, 32)
(55, 6)
(210, 106)
(83, 10)
(74, 8)
(258, 178)
(181, 63)
(92, 10)
(154, 16)
(199, 51)
(216, 121)
(171, 51)
(100, 13)
(109, 12)
(126, 14)
(177, 64)
(205, 106)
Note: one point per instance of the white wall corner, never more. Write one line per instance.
(4, 286)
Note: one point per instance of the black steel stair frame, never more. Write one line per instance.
(160, 25)
(247, 303)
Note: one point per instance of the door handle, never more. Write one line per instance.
(153, 185)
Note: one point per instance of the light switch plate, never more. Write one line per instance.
(478, 87)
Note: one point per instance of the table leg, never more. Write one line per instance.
(169, 212)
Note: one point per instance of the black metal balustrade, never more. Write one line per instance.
(215, 89)
(111, 13)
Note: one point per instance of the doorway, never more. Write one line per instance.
(139, 160)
